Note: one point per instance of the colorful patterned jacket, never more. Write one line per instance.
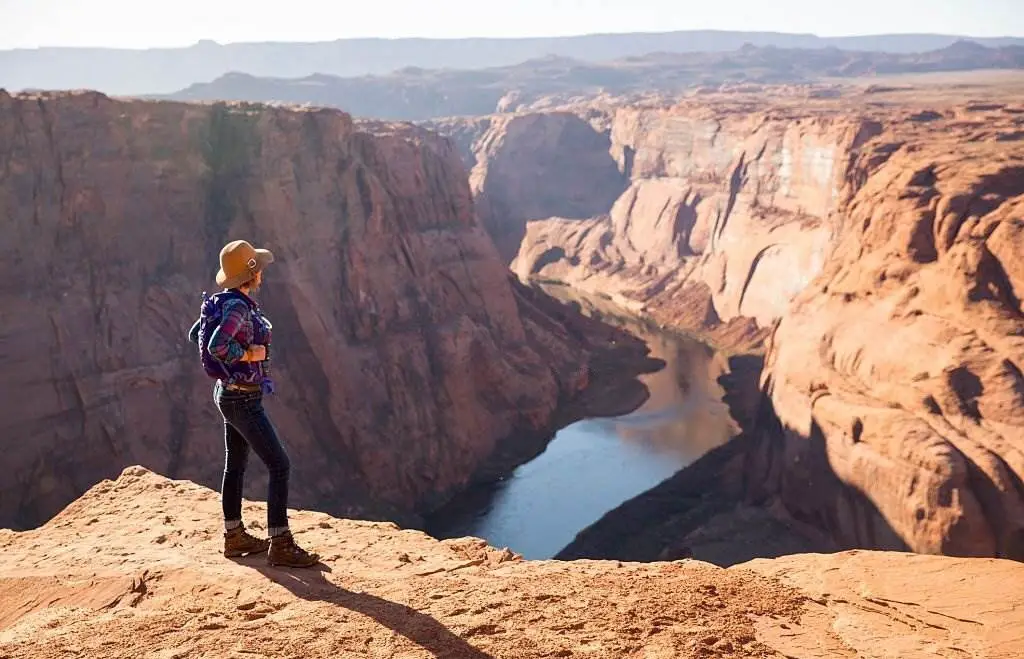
(242, 324)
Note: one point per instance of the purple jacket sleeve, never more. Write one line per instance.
(225, 344)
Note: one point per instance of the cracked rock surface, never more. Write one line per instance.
(133, 568)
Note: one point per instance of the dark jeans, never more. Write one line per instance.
(246, 426)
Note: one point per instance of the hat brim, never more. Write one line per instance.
(264, 257)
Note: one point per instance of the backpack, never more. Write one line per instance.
(210, 315)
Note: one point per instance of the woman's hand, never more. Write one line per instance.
(256, 354)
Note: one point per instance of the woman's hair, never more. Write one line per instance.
(251, 281)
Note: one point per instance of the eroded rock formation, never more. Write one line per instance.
(127, 571)
(880, 247)
(899, 368)
(725, 215)
(700, 207)
(403, 357)
(734, 203)
(540, 165)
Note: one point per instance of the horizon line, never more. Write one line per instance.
(213, 42)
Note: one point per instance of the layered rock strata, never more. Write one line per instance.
(404, 358)
(878, 247)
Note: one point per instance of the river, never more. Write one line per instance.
(592, 466)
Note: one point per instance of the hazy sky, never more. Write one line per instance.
(138, 23)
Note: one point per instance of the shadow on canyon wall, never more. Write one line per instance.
(541, 166)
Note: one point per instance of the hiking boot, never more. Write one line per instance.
(239, 542)
(285, 553)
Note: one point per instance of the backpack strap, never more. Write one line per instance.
(213, 305)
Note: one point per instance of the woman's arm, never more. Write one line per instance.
(224, 345)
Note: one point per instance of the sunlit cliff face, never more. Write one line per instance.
(744, 203)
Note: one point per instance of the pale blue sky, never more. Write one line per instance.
(138, 23)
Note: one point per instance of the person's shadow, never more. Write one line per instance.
(418, 627)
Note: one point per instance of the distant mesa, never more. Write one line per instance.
(164, 70)
(417, 93)
(965, 46)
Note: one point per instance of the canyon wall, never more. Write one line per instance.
(876, 246)
(538, 166)
(403, 357)
(702, 217)
(899, 369)
(737, 203)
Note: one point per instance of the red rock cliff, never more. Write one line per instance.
(537, 166)
(729, 208)
(403, 359)
(899, 368)
(880, 244)
(696, 215)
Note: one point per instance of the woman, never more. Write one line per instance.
(238, 356)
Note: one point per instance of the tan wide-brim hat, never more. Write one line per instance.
(239, 262)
